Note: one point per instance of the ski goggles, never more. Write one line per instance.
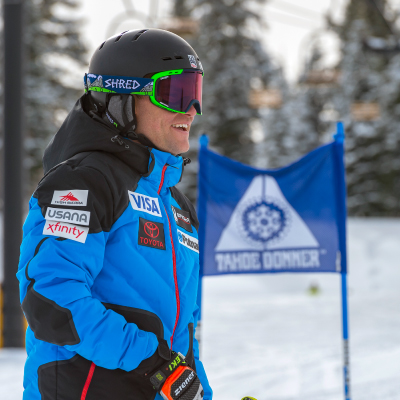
(175, 90)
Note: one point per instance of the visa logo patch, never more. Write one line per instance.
(147, 204)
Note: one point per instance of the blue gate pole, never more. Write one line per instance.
(346, 354)
(202, 220)
(199, 304)
(342, 260)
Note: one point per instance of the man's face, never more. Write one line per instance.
(162, 127)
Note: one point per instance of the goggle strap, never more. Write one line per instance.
(118, 84)
(107, 111)
(124, 117)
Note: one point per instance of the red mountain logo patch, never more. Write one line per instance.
(69, 197)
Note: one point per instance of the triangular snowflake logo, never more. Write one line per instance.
(264, 220)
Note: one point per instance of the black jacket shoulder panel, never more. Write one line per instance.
(185, 204)
(106, 179)
(82, 133)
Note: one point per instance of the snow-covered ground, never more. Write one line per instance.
(265, 336)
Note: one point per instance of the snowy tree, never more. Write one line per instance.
(301, 124)
(183, 8)
(53, 47)
(234, 61)
(370, 77)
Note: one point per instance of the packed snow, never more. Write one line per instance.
(268, 337)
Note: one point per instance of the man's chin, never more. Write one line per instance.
(180, 149)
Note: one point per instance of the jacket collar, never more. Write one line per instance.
(82, 132)
(164, 167)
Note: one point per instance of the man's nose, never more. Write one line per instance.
(192, 112)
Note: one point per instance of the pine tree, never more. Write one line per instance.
(300, 125)
(234, 61)
(366, 76)
(372, 147)
(53, 45)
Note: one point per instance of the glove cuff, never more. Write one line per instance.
(158, 377)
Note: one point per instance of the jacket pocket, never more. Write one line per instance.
(145, 320)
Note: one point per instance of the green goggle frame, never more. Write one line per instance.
(175, 90)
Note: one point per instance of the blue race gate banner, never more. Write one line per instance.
(267, 221)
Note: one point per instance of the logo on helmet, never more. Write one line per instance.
(192, 60)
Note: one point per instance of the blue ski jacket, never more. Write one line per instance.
(109, 267)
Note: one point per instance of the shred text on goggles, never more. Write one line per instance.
(177, 90)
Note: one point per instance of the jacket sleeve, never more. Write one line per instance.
(56, 274)
(201, 373)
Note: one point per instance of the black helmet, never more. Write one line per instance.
(140, 54)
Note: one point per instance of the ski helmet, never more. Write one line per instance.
(151, 62)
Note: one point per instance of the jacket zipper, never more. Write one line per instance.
(178, 305)
(162, 178)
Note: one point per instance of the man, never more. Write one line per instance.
(109, 262)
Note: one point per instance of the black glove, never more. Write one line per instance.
(175, 380)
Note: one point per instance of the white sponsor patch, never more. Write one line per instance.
(189, 241)
(68, 231)
(68, 215)
(141, 202)
(70, 197)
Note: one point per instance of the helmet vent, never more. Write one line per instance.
(166, 58)
(179, 57)
(101, 46)
(120, 36)
(136, 37)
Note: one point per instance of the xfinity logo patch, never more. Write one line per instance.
(188, 241)
(151, 234)
(68, 231)
(182, 218)
(70, 197)
(141, 202)
(68, 215)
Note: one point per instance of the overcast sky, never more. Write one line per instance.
(291, 25)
